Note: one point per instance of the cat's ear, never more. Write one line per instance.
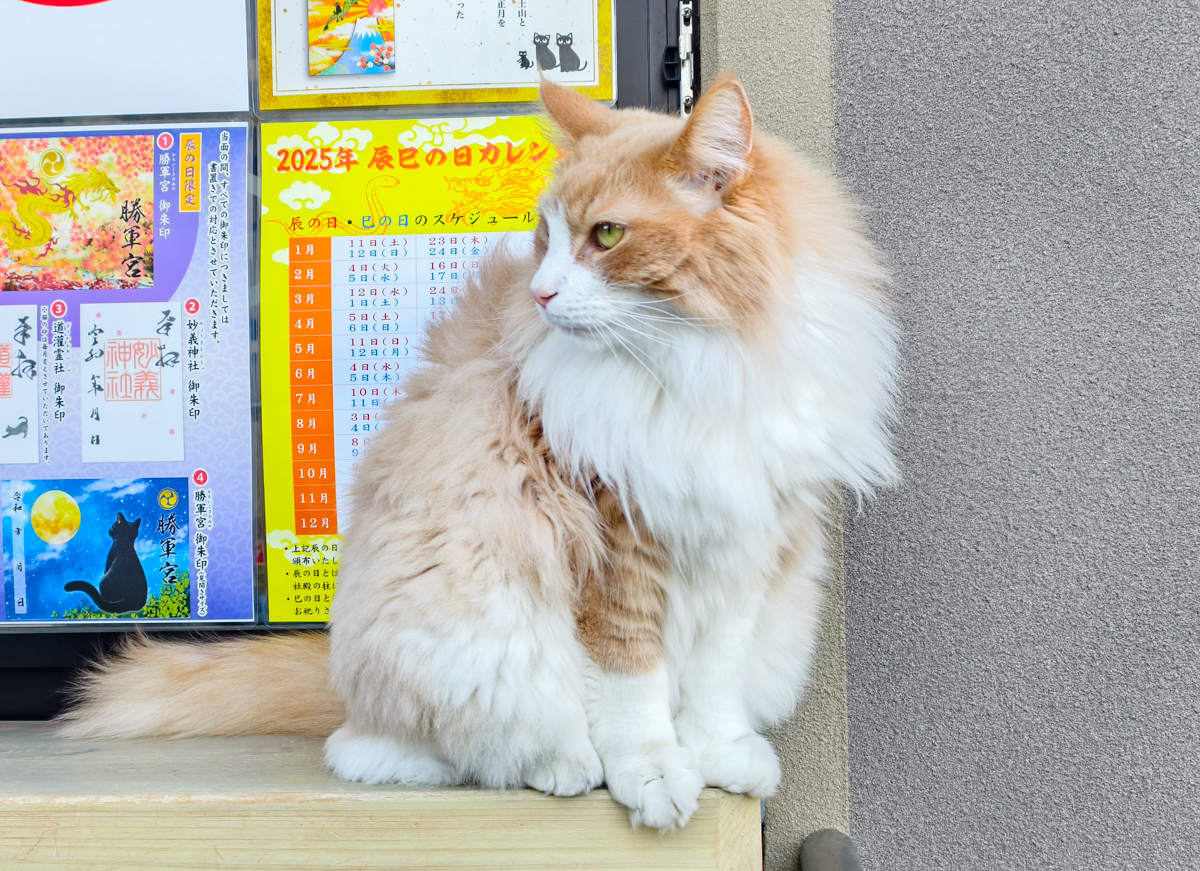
(573, 113)
(121, 517)
(714, 147)
(137, 524)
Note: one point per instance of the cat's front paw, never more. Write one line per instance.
(660, 785)
(747, 765)
(567, 773)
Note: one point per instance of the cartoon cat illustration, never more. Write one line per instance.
(524, 60)
(568, 61)
(123, 587)
(545, 57)
(21, 429)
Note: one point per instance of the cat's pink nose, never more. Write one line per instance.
(542, 297)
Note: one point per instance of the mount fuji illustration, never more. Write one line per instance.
(368, 51)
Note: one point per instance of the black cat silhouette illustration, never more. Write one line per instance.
(21, 429)
(568, 61)
(123, 587)
(524, 60)
(545, 57)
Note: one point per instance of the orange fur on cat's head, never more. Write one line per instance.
(713, 212)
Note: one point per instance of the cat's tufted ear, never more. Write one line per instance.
(715, 145)
(573, 113)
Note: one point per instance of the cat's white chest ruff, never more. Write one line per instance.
(695, 460)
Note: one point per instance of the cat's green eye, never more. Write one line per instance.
(608, 234)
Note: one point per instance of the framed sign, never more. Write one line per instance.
(67, 58)
(331, 53)
(369, 231)
(126, 481)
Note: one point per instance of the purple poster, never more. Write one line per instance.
(126, 466)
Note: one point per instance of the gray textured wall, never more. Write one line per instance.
(1023, 614)
(783, 52)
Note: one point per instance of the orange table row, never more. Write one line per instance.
(305, 299)
(307, 473)
(307, 250)
(315, 373)
(312, 447)
(315, 498)
(308, 322)
(305, 275)
(318, 522)
(305, 348)
(312, 422)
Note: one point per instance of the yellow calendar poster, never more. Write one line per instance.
(369, 231)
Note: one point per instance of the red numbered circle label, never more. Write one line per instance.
(191, 306)
(200, 477)
(165, 141)
(58, 308)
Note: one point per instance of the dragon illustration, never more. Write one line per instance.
(339, 12)
(373, 201)
(509, 190)
(26, 227)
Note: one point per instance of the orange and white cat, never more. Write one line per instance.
(587, 542)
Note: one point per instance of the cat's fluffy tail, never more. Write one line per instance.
(172, 689)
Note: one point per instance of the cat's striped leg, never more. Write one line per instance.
(629, 698)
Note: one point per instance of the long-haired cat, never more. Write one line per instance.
(587, 542)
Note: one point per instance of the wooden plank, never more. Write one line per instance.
(267, 802)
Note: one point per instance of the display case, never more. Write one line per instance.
(217, 270)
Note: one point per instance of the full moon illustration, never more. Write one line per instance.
(55, 517)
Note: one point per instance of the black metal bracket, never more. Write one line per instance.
(671, 66)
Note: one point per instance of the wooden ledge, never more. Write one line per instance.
(267, 802)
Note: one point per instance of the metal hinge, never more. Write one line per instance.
(679, 61)
(687, 95)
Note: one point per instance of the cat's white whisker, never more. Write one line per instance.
(638, 358)
(628, 325)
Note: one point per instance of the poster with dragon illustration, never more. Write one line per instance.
(370, 230)
(126, 442)
(77, 212)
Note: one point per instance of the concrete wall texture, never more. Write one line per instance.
(1023, 613)
(1020, 666)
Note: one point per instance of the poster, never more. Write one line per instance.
(369, 231)
(326, 53)
(126, 464)
(123, 57)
